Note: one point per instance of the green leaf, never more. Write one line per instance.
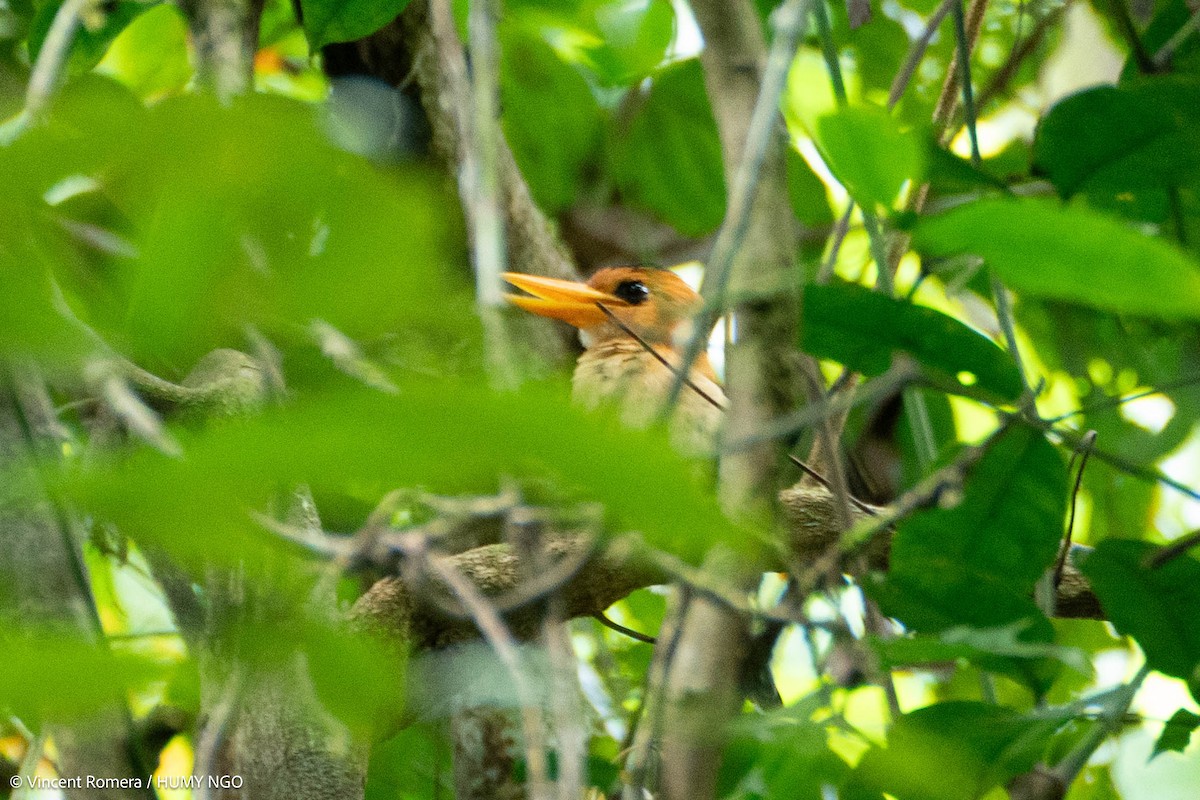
(976, 563)
(551, 118)
(870, 155)
(635, 35)
(446, 435)
(1170, 16)
(951, 751)
(990, 648)
(667, 158)
(91, 41)
(863, 330)
(329, 21)
(415, 763)
(951, 174)
(61, 678)
(1177, 732)
(782, 753)
(30, 325)
(1140, 135)
(879, 46)
(1069, 253)
(1160, 608)
(358, 678)
(808, 195)
(34, 246)
(1023, 650)
(247, 215)
(151, 56)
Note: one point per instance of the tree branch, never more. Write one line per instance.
(226, 36)
(753, 259)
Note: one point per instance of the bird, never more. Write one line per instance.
(633, 322)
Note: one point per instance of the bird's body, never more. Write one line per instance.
(618, 307)
(622, 371)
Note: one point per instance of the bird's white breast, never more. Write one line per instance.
(621, 371)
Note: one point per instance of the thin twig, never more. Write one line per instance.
(1008, 70)
(216, 731)
(48, 69)
(884, 280)
(479, 179)
(1163, 56)
(35, 744)
(925, 494)
(1073, 439)
(678, 372)
(877, 623)
(1173, 550)
(482, 155)
(1088, 441)
(963, 53)
(353, 552)
(525, 531)
(638, 759)
(570, 731)
(1121, 400)
(789, 22)
(1008, 327)
(825, 274)
(139, 418)
(349, 358)
(819, 478)
(1004, 314)
(916, 52)
(921, 426)
(1116, 707)
(875, 238)
(621, 629)
(1125, 24)
(942, 113)
(900, 83)
(704, 586)
(817, 413)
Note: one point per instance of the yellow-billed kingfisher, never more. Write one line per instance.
(615, 308)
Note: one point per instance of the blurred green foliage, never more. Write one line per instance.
(664, 152)
(370, 442)
(1151, 602)
(145, 220)
(93, 40)
(329, 21)
(1069, 253)
(862, 329)
(976, 563)
(952, 751)
(868, 151)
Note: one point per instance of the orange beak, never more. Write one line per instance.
(571, 302)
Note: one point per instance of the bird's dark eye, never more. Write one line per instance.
(632, 292)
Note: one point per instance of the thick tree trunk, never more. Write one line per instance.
(703, 686)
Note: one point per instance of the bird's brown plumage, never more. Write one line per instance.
(656, 305)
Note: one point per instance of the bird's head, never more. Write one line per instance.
(651, 302)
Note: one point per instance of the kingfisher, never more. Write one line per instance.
(634, 323)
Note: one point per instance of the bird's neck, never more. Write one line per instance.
(632, 353)
(620, 371)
